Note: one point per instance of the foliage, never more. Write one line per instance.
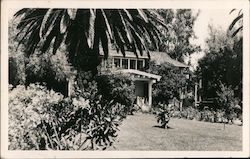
(43, 119)
(27, 109)
(222, 60)
(238, 20)
(171, 81)
(16, 57)
(225, 97)
(189, 101)
(117, 87)
(49, 69)
(83, 29)
(207, 115)
(84, 81)
(13, 79)
(163, 115)
(226, 100)
(176, 41)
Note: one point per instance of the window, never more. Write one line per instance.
(132, 64)
(125, 63)
(117, 62)
(140, 64)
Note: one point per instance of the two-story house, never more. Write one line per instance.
(136, 67)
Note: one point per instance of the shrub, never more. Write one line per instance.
(43, 119)
(169, 85)
(27, 109)
(119, 88)
(228, 103)
(191, 113)
(164, 112)
(198, 116)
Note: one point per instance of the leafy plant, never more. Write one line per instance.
(119, 88)
(226, 99)
(168, 87)
(163, 115)
(42, 119)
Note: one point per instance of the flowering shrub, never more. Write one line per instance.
(43, 119)
(27, 109)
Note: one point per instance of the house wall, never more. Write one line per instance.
(141, 89)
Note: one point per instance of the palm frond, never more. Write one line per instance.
(105, 47)
(235, 21)
(83, 29)
(91, 32)
(232, 11)
(64, 23)
(143, 15)
(107, 25)
(46, 25)
(21, 12)
(156, 17)
(128, 14)
(237, 30)
(72, 13)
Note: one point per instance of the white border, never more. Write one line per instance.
(195, 4)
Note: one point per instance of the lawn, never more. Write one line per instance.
(138, 132)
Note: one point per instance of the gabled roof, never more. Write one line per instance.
(162, 57)
(158, 57)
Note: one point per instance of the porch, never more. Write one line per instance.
(143, 86)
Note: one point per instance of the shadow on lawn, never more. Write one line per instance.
(167, 127)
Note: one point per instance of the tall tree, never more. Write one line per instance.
(222, 63)
(177, 40)
(82, 30)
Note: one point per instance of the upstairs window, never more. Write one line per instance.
(140, 64)
(132, 64)
(117, 62)
(125, 63)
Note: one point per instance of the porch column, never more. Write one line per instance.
(195, 94)
(71, 81)
(150, 83)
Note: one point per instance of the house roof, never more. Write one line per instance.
(162, 57)
(158, 57)
(140, 73)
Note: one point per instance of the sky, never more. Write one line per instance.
(216, 17)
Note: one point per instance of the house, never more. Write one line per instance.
(136, 67)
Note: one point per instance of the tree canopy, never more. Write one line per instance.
(177, 40)
(222, 63)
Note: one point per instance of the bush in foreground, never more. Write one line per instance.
(43, 119)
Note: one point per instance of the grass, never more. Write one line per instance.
(139, 132)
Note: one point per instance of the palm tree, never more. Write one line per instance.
(237, 20)
(82, 31)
